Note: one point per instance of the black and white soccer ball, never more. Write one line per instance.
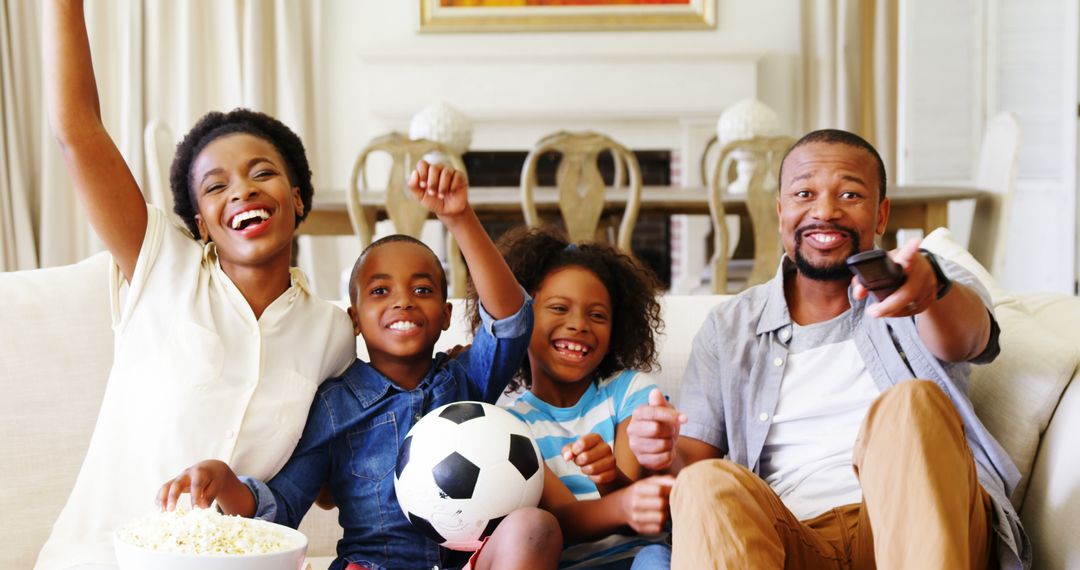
(462, 468)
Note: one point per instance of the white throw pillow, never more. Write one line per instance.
(55, 357)
(1015, 395)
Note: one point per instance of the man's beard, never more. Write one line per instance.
(835, 272)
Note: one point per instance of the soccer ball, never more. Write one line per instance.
(462, 468)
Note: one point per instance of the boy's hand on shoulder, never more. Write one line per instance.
(645, 503)
(594, 456)
(457, 351)
(654, 430)
(442, 189)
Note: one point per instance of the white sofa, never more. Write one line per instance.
(56, 349)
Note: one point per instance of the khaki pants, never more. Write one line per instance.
(921, 498)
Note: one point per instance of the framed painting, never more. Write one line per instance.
(564, 15)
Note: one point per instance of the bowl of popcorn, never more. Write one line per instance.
(207, 540)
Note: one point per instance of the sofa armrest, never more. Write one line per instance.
(1051, 509)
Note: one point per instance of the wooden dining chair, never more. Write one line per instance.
(406, 214)
(754, 160)
(999, 163)
(581, 187)
(159, 146)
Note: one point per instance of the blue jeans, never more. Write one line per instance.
(652, 557)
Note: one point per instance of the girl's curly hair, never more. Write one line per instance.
(215, 125)
(534, 253)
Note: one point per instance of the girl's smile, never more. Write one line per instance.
(570, 349)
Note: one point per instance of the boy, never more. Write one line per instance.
(357, 423)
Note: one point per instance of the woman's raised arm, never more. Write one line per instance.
(101, 178)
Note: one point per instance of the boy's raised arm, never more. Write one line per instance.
(100, 176)
(444, 191)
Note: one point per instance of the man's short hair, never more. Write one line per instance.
(836, 136)
(383, 241)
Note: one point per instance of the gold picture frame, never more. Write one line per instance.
(570, 15)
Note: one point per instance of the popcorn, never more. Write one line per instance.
(203, 531)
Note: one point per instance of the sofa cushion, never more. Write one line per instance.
(683, 316)
(1015, 395)
(57, 350)
(57, 353)
(1051, 511)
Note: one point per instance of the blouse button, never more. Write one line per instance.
(764, 417)
(778, 361)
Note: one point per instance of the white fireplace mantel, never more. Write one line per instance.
(646, 98)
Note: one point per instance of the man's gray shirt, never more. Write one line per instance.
(732, 384)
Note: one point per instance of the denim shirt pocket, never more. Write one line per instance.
(444, 391)
(373, 447)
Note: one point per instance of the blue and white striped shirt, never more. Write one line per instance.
(603, 406)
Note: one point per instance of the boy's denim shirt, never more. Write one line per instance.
(356, 424)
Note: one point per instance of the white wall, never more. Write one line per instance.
(512, 84)
(647, 89)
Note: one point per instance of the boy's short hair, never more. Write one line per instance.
(391, 239)
(215, 125)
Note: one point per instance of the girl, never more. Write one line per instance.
(219, 344)
(595, 316)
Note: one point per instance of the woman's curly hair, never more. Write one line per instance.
(215, 125)
(532, 254)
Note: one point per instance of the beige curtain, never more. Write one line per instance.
(850, 69)
(154, 60)
(19, 135)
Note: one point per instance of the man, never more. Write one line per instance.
(803, 425)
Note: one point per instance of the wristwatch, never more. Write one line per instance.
(944, 283)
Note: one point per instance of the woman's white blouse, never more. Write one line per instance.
(195, 376)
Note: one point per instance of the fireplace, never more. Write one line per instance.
(660, 97)
(652, 233)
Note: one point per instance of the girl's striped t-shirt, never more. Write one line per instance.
(603, 406)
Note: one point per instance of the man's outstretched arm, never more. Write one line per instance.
(955, 327)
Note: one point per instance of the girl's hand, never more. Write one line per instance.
(443, 190)
(645, 503)
(204, 480)
(594, 456)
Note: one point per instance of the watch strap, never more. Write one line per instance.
(944, 283)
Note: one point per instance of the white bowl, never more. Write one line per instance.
(132, 557)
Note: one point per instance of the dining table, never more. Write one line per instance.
(922, 207)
